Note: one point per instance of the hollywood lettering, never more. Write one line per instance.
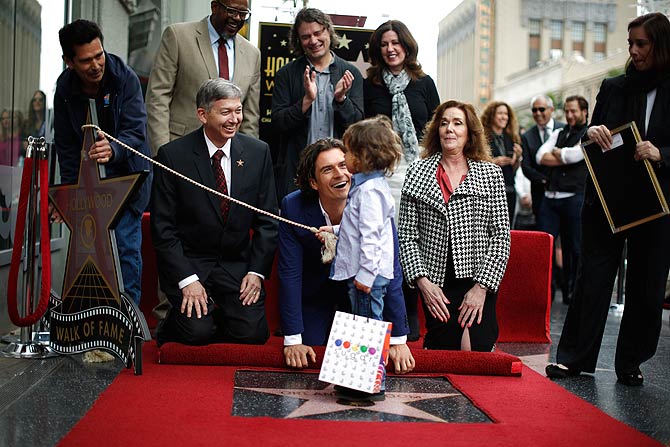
(91, 202)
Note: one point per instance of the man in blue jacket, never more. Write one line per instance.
(307, 297)
(95, 74)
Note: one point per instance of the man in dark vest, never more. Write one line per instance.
(560, 210)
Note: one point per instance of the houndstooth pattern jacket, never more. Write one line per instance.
(473, 226)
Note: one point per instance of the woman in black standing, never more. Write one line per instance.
(642, 95)
(502, 132)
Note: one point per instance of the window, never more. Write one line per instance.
(533, 42)
(599, 41)
(534, 27)
(600, 33)
(28, 72)
(578, 31)
(556, 34)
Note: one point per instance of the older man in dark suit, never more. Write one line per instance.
(543, 109)
(210, 264)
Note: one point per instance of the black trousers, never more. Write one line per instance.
(227, 320)
(448, 335)
(647, 269)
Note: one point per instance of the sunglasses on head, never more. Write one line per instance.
(538, 109)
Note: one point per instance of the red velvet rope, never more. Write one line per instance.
(45, 243)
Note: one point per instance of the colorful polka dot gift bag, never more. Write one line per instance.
(356, 353)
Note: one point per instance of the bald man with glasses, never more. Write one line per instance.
(193, 52)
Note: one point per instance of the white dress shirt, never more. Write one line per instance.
(230, 49)
(569, 155)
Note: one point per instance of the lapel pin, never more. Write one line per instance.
(240, 163)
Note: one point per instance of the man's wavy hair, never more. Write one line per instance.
(306, 169)
(310, 15)
(476, 148)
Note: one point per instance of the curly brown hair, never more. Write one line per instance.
(476, 147)
(306, 169)
(512, 127)
(374, 144)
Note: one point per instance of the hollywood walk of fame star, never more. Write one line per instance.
(90, 208)
(360, 63)
(344, 42)
(324, 402)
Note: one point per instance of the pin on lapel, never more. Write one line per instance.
(240, 163)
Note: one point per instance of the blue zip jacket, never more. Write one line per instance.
(130, 125)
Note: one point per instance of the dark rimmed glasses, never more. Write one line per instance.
(242, 14)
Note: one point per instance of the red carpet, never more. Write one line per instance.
(186, 405)
(270, 356)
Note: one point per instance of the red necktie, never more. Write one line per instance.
(221, 185)
(223, 59)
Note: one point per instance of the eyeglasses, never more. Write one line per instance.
(538, 109)
(242, 14)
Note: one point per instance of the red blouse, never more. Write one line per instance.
(445, 184)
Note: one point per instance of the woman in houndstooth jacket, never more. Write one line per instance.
(454, 241)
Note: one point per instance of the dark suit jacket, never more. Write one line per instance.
(293, 126)
(614, 108)
(307, 298)
(186, 225)
(537, 174)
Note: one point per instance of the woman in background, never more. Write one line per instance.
(35, 125)
(10, 137)
(502, 132)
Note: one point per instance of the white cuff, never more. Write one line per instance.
(292, 340)
(188, 280)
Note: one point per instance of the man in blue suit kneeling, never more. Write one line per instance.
(307, 298)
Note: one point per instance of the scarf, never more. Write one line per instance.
(637, 84)
(400, 114)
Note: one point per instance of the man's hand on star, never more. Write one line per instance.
(101, 151)
(299, 356)
(402, 358)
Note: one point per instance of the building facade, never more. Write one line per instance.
(531, 47)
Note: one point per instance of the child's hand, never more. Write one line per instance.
(324, 229)
(363, 288)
